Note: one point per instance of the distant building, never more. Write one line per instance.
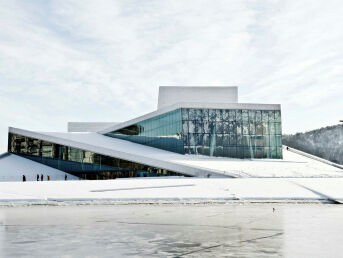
(206, 121)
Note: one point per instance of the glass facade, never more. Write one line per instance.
(163, 132)
(81, 163)
(234, 133)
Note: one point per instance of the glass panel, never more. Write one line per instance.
(258, 116)
(199, 127)
(219, 140)
(245, 116)
(212, 114)
(238, 115)
(220, 127)
(232, 115)
(163, 131)
(184, 114)
(191, 137)
(233, 140)
(226, 140)
(207, 128)
(245, 128)
(226, 127)
(219, 114)
(206, 140)
(277, 128)
(205, 131)
(259, 129)
(199, 116)
(192, 114)
(277, 116)
(191, 126)
(271, 116)
(81, 163)
(226, 115)
(232, 127)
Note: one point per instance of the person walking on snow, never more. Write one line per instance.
(24, 178)
(37, 177)
(65, 177)
(41, 177)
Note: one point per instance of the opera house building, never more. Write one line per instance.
(191, 126)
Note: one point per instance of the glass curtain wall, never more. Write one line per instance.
(84, 164)
(163, 132)
(232, 133)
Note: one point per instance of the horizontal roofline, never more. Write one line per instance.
(250, 106)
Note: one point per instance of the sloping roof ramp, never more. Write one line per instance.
(122, 149)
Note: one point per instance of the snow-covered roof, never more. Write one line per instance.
(122, 149)
(292, 164)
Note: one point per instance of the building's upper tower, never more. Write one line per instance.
(169, 95)
(206, 121)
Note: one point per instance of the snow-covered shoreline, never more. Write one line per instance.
(173, 190)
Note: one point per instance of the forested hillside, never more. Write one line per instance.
(325, 142)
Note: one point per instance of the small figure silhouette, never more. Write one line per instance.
(41, 177)
(65, 177)
(37, 177)
(24, 178)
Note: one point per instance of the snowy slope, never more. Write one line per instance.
(13, 167)
(178, 189)
(292, 164)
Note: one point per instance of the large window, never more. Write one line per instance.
(231, 133)
(163, 132)
(82, 163)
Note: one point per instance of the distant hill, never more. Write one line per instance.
(326, 142)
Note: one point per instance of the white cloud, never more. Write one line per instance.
(104, 60)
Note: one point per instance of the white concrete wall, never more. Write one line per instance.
(89, 126)
(169, 95)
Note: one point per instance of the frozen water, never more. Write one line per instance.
(231, 230)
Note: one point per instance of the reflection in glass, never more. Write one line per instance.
(233, 133)
(81, 163)
(213, 132)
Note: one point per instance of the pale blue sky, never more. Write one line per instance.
(101, 60)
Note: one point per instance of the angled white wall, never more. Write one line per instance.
(169, 95)
(89, 126)
(13, 167)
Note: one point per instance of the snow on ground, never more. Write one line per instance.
(13, 167)
(176, 189)
(292, 165)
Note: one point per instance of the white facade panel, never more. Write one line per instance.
(170, 95)
(89, 126)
